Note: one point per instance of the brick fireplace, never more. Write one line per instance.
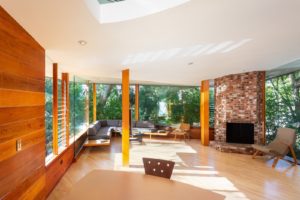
(239, 99)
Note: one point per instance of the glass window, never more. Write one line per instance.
(79, 106)
(169, 104)
(49, 114)
(109, 101)
(283, 105)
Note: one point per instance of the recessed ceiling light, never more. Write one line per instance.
(190, 63)
(82, 42)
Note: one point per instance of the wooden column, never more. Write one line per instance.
(137, 107)
(66, 102)
(125, 117)
(55, 109)
(204, 112)
(263, 79)
(94, 103)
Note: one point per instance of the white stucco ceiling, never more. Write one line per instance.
(218, 36)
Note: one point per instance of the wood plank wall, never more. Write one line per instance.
(57, 168)
(22, 111)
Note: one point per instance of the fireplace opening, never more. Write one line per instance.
(242, 133)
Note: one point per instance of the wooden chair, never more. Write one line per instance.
(158, 167)
(283, 143)
(184, 130)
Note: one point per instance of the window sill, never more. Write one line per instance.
(51, 157)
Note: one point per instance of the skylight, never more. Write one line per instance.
(110, 11)
(109, 1)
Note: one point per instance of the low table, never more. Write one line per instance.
(95, 143)
(116, 185)
(156, 134)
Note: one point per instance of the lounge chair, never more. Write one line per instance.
(184, 130)
(283, 143)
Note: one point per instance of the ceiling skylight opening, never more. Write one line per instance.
(111, 11)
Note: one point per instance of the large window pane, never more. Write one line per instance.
(169, 104)
(49, 114)
(283, 105)
(109, 101)
(79, 106)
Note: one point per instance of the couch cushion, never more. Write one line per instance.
(114, 123)
(91, 131)
(97, 126)
(103, 133)
(103, 123)
(144, 124)
(133, 124)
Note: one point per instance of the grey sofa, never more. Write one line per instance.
(103, 129)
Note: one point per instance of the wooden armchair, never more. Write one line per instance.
(158, 167)
(283, 143)
(184, 130)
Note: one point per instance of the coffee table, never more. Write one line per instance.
(156, 134)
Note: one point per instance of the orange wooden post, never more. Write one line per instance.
(137, 107)
(204, 112)
(66, 105)
(125, 117)
(55, 109)
(94, 103)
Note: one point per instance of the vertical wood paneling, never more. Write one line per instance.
(125, 117)
(137, 106)
(56, 169)
(22, 112)
(204, 112)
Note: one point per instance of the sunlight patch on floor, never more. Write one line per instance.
(192, 173)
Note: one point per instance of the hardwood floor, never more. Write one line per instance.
(235, 176)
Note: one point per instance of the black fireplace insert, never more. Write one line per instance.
(242, 133)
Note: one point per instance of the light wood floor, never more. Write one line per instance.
(235, 176)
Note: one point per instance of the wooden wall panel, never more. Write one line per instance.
(14, 98)
(22, 110)
(56, 169)
(16, 114)
(196, 133)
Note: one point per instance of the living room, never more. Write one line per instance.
(212, 87)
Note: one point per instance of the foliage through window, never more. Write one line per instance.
(49, 114)
(283, 105)
(79, 106)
